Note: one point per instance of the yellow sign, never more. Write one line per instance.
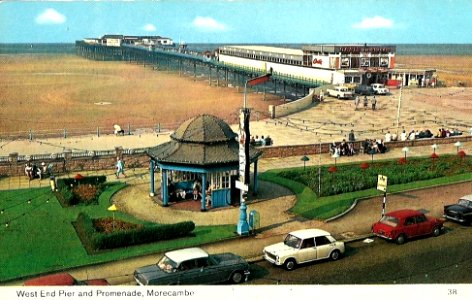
(382, 183)
(112, 208)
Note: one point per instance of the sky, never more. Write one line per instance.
(240, 21)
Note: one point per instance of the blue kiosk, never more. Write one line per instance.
(203, 152)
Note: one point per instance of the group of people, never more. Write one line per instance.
(342, 149)
(442, 133)
(372, 146)
(415, 134)
(261, 141)
(373, 102)
(33, 171)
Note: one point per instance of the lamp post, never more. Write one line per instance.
(305, 159)
(335, 156)
(434, 146)
(458, 145)
(405, 150)
(244, 158)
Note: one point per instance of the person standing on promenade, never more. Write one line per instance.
(366, 101)
(374, 103)
(356, 102)
(120, 167)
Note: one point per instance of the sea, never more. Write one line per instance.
(402, 49)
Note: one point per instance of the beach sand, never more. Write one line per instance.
(46, 93)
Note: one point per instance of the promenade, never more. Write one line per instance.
(273, 202)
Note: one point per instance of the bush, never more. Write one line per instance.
(74, 191)
(94, 241)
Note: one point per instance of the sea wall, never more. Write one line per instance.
(282, 110)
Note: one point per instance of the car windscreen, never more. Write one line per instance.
(465, 203)
(389, 220)
(292, 241)
(167, 265)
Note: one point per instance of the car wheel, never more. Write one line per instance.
(237, 277)
(401, 239)
(436, 231)
(335, 255)
(290, 264)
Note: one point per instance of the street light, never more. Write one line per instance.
(434, 146)
(458, 145)
(305, 159)
(335, 156)
(244, 159)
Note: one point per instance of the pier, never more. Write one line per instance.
(197, 65)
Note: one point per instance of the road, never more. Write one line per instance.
(444, 259)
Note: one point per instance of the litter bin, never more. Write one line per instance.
(254, 221)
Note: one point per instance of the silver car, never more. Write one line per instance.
(193, 266)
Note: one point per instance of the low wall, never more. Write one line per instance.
(282, 110)
(310, 149)
(67, 162)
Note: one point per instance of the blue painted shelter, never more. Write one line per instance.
(204, 149)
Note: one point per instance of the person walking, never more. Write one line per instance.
(120, 167)
(356, 102)
(366, 101)
(374, 103)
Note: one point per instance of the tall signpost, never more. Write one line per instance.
(244, 158)
(382, 186)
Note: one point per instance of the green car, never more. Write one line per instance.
(193, 266)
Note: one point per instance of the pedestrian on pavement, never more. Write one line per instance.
(366, 101)
(120, 167)
(352, 137)
(374, 103)
(356, 102)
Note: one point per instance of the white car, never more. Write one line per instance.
(304, 246)
(379, 89)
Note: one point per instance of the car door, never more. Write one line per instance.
(209, 271)
(410, 227)
(323, 247)
(188, 273)
(307, 251)
(423, 225)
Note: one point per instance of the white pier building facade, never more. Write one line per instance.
(334, 64)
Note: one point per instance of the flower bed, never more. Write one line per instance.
(350, 178)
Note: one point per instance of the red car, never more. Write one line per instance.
(403, 224)
(62, 279)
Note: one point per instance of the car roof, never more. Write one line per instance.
(403, 213)
(467, 197)
(307, 233)
(53, 279)
(181, 255)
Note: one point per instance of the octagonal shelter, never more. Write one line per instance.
(202, 156)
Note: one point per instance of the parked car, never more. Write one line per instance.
(303, 246)
(364, 90)
(193, 266)
(404, 224)
(461, 211)
(64, 279)
(379, 89)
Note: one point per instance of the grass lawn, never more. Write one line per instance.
(40, 237)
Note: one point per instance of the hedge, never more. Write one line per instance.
(64, 194)
(94, 241)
